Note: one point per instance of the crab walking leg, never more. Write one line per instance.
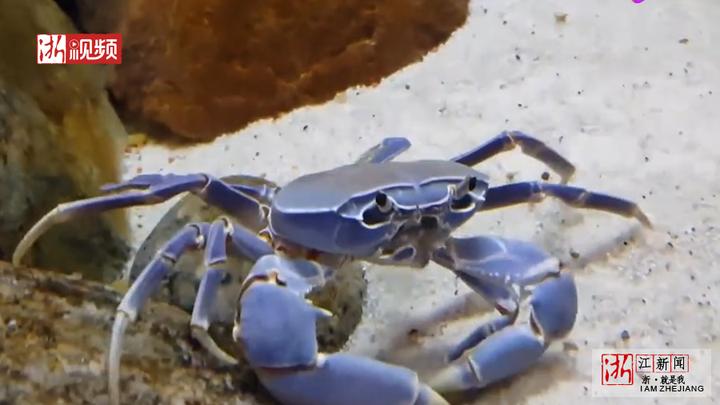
(216, 257)
(385, 151)
(533, 191)
(504, 271)
(154, 189)
(276, 327)
(215, 191)
(531, 146)
(214, 238)
(191, 236)
(250, 246)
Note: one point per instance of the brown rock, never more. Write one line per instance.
(200, 68)
(54, 332)
(60, 139)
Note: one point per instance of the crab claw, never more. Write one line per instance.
(502, 355)
(276, 327)
(349, 380)
(514, 349)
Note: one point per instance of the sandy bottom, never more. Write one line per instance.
(628, 92)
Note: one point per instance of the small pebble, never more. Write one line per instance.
(11, 326)
(625, 335)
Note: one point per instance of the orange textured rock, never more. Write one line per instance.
(201, 68)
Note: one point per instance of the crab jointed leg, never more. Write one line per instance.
(215, 259)
(146, 190)
(524, 192)
(505, 271)
(213, 238)
(275, 326)
(189, 238)
(508, 140)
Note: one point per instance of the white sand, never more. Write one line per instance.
(612, 89)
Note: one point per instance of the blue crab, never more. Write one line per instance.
(378, 210)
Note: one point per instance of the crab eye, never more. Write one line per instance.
(466, 186)
(472, 183)
(379, 212)
(462, 200)
(383, 203)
